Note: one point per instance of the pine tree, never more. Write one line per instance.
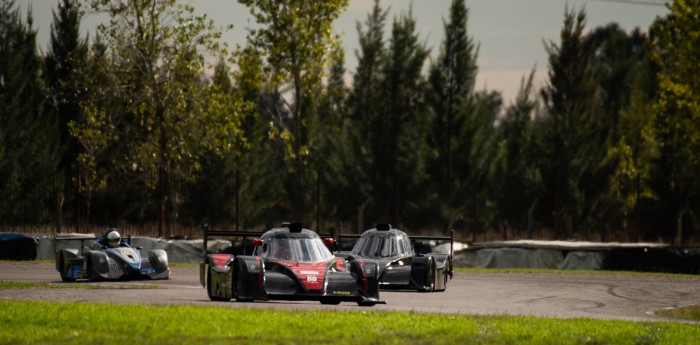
(28, 155)
(573, 145)
(452, 80)
(520, 180)
(397, 134)
(363, 108)
(62, 68)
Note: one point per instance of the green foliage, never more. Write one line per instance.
(149, 103)
(451, 81)
(574, 138)
(28, 137)
(520, 184)
(63, 68)
(363, 106)
(396, 134)
(296, 39)
(134, 127)
(676, 126)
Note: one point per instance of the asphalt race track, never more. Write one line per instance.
(601, 296)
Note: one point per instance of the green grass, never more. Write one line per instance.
(27, 261)
(688, 313)
(11, 284)
(576, 272)
(97, 323)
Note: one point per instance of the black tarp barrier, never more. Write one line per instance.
(18, 247)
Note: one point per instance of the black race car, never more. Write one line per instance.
(287, 263)
(405, 262)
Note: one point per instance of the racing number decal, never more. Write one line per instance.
(311, 276)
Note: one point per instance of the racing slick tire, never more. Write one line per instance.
(236, 284)
(429, 277)
(446, 275)
(62, 269)
(210, 292)
(91, 275)
(329, 301)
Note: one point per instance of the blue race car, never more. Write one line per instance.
(109, 258)
(405, 262)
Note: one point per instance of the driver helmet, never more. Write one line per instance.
(113, 239)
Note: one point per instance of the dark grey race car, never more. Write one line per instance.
(405, 262)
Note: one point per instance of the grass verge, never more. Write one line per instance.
(576, 272)
(12, 284)
(688, 313)
(36, 322)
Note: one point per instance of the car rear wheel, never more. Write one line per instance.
(330, 301)
(210, 290)
(62, 269)
(365, 303)
(430, 277)
(236, 285)
(91, 275)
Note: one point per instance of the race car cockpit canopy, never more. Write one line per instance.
(383, 242)
(293, 244)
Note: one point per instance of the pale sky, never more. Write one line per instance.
(510, 33)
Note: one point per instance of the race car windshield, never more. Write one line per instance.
(380, 246)
(296, 249)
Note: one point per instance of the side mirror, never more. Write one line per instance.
(328, 241)
(257, 242)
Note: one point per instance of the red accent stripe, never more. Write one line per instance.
(364, 277)
(260, 272)
(219, 259)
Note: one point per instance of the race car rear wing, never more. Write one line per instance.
(244, 235)
(207, 233)
(83, 239)
(414, 240)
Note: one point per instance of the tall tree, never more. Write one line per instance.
(160, 110)
(396, 135)
(479, 155)
(326, 125)
(363, 107)
(573, 141)
(627, 78)
(296, 36)
(452, 80)
(676, 127)
(62, 68)
(28, 142)
(520, 182)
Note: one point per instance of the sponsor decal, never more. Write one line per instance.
(312, 278)
(341, 292)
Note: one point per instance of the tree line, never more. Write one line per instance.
(154, 121)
